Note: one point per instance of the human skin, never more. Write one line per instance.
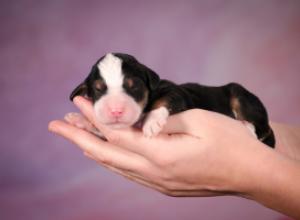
(199, 153)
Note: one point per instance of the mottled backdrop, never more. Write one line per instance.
(47, 48)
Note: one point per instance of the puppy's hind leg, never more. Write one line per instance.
(247, 107)
(250, 127)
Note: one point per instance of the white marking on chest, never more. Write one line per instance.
(110, 69)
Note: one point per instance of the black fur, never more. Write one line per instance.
(231, 99)
(218, 99)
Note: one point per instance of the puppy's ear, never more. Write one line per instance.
(152, 77)
(83, 88)
(80, 90)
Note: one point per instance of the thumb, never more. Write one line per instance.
(192, 122)
(86, 108)
(128, 138)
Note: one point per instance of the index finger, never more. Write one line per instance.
(130, 139)
(86, 107)
(103, 151)
(192, 122)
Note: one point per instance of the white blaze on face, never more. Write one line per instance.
(115, 108)
(110, 69)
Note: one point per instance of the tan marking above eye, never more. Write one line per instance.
(129, 82)
(144, 101)
(98, 84)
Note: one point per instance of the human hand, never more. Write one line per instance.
(199, 153)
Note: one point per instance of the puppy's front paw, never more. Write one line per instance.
(155, 121)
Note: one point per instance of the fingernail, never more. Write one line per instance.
(70, 115)
(76, 100)
(52, 126)
(67, 116)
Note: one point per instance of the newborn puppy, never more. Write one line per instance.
(123, 90)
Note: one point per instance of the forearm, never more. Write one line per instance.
(200, 158)
(274, 176)
(277, 184)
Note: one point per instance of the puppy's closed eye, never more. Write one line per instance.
(129, 83)
(133, 84)
(99, 85)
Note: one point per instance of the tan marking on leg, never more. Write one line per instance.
(160, 103)
(236, 108)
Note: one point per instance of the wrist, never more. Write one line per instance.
(287, 140)
(242, 176)
(272, 180)
(243, 171)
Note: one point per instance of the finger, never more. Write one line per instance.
(190, 122)
(130, 175)
(163, 188)
(148, 183)
(87, 154)
(79, 121)
(86, 107)
(103, 151)
(130, 139)
(82, 122)
(134, 141)
(126, 173)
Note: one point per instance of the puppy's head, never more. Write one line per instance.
(119, 87)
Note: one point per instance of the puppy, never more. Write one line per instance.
(123, 90)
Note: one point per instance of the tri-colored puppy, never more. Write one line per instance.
(124, 91)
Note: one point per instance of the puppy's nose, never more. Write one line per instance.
(116, 112)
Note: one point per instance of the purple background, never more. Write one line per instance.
(48, 47)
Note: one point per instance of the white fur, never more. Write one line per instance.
(235, 113)
(131, 110)
(251, 127)
(110, 69)
(155, 121)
